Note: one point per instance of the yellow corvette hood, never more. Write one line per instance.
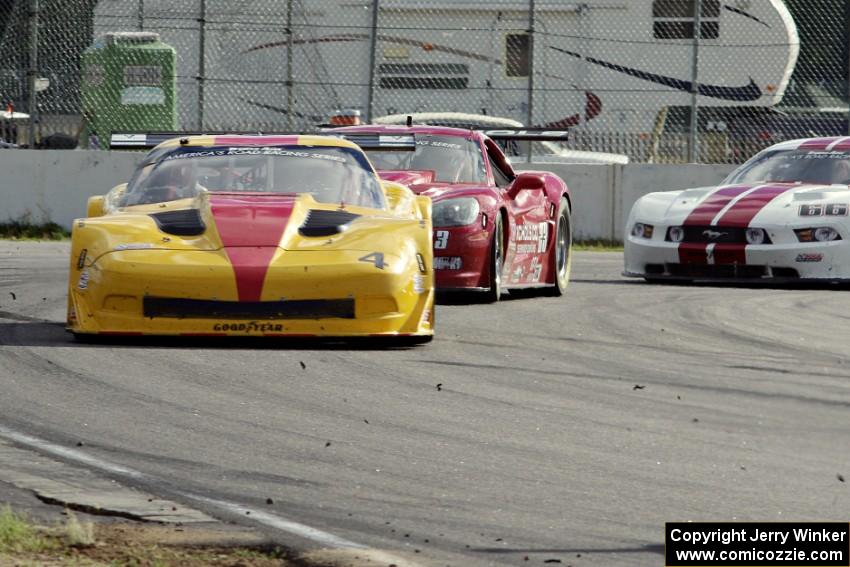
(249, 228)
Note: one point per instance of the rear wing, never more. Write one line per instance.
(407, 142)
(531, 134)
(124, 141)
(386, 142)
(398, 142)
(148, 140)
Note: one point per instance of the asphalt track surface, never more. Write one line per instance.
(566, 429)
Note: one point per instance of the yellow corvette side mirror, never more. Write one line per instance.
(94, 207)
(400, 199)
(424, 204)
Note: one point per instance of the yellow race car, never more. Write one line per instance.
(274, 236)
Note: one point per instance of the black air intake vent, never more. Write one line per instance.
(185, 222)
(325, 223)
(176, 308)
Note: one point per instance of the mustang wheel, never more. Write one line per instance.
(562, 258)
(496, 256)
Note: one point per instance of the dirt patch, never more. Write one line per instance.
(133, 544)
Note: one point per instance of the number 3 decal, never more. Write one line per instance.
(441, 239)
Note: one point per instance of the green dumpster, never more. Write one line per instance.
(129, 85)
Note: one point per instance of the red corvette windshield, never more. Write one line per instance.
(451, 158)
(795, 166)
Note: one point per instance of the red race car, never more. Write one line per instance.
(494, 228)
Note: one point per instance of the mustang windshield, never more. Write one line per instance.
(795, 166)
(330, 174)
(451, 158)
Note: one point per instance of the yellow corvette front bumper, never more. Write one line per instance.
(304, 293)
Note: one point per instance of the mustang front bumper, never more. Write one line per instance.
(658, 259)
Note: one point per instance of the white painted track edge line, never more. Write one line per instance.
(280, 523)
(277, 522)
(66, 453)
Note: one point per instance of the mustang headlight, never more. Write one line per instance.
(455, 212)
(826, 234)
(819, 234)
(755, 236)
(642, 230)
(675, 234)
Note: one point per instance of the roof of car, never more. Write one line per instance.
(828, 142)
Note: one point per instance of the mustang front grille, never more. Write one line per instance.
(175, 308)
(717, 235)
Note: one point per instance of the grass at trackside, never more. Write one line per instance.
(117, 544)
(597, 245)
(18, 536)
(23, 229)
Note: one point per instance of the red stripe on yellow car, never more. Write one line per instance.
(250, 228)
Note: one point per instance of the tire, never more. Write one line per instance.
(416, 340)
(561, 259)
(497, 256)
(86, 338)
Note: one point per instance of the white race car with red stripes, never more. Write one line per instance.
(782, 216)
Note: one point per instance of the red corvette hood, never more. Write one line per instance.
(409, 177)
(420, 182)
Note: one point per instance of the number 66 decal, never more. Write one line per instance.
(441, 239)
(819, 209)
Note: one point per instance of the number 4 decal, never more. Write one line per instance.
(376, 258)
(441, 239)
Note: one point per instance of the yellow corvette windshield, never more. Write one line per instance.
(330, 174)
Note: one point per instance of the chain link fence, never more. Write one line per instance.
(658, 80)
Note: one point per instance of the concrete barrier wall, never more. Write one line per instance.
(603, 195)
(54, 185)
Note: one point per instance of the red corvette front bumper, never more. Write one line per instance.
(461, 255)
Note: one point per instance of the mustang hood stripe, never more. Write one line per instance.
(703, 214)
(739, 215)
(840, 145)
(816, 144)
(743, 211)
(250, 229)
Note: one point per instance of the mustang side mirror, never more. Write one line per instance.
(400, 199)
(526, 181)
(95, 206)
